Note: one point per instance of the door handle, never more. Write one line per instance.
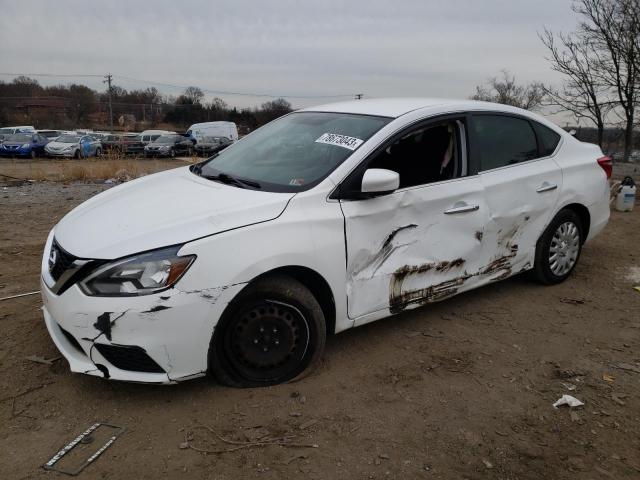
(546, 187)
(461, 207)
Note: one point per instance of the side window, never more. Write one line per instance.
(501, 140)
(547, 138)
(425, 155)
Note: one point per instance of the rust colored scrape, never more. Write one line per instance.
(445, 266)
(399, 299)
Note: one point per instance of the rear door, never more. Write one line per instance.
(521, 181)
(421, 243)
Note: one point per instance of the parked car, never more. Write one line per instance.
(169, 146)
(50, 134)
(6, 131)
(210, 145)
(75, 146)
(23, 145)
(123, 144)
(149, 136)
(198, 131)
(325, 219)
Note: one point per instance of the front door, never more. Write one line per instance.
(423, 242)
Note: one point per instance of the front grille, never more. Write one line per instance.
(62, 261)
(72, 340)
(132, 358)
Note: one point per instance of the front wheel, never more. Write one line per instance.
(98, 152)
(559, 248)
(272, 333)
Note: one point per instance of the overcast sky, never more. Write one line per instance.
(283, 47)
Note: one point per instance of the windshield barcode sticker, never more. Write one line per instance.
(340, 140)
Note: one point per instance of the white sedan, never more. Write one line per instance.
(323, 220)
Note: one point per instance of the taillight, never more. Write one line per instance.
(607, 165)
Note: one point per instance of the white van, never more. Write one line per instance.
(198, 131)
(149, 136)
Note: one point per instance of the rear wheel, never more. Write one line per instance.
(559, 248)
(33, 154)
(272, 333)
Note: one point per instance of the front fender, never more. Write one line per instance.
(308, 234)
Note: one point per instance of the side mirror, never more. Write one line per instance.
(380, 181)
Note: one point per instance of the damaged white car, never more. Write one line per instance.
(322, 220)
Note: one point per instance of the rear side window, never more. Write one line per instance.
(503, 140)
(548, 139)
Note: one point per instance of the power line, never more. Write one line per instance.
(62, 75)
(205, 90)
(225, 92)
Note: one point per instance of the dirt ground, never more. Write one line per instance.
(462, 389)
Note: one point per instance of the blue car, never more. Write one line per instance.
(23, 145)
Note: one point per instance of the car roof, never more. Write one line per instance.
(395, 107)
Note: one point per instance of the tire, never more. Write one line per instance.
(98, 152)
(33, 154)
(564, 235)
(273, 332)
(77, 155)
(172, 153)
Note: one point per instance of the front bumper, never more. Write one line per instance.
(157, 153)
(68, 154)
(171, 330)
(18, 152)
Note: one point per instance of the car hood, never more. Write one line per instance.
(56, 144)
(159, 210)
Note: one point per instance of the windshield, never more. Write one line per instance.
(68, 138)
(295, 152)
(166, 139)
(6, 131)
(19, 137)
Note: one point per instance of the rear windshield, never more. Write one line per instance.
(294, 152)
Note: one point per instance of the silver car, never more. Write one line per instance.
(74, 146)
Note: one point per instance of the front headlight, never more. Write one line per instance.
(68, 147)
(138, 275)
(164, 147)
(26, 145)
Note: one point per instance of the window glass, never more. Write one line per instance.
(548, 139)
(426, 155)
(501, 140)
(296, 150)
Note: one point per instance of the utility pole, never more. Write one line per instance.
(108, 77)
(359, 96)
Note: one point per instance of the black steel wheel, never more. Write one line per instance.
(272, 333)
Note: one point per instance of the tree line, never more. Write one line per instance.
(24, 101)
(600, 66)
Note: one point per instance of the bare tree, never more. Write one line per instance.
(613, 29)
(582, 93)
(505, 90)
(192, 96)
